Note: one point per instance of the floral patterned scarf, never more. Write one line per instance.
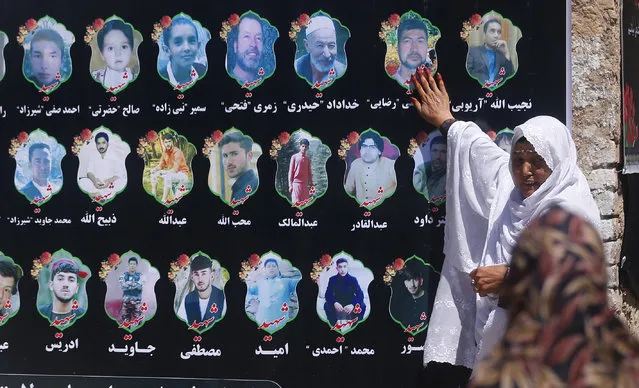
(561, 332)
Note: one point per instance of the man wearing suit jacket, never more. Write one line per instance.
(206, 301)
(40, 164)
(490, 62)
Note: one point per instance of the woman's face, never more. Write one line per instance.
(116, 50)
(271, 269)
(530, 170)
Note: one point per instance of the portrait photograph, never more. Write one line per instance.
(233, 174)
(320, 54)
(413, 289)
(130, 297)
(410, 44)
(10, 275)
(342, 299)
(47, 55)
(3, 42)
(301, 175)
(504, 139)
(271, 298)
(182, 57)
(38, 175)
(492, 49)
(62, 295)
(370, 167)
(102, 170)
(167, 159)
(429, 176)
(200, 300)
(114, 53)
(250, 55)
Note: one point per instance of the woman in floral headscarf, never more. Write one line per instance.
(561, 330)
(491, 197)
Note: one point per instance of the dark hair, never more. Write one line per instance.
(411, 24)
(168, 135)
(38, 146)
(102, 134)
(51, 36)
(63, 265)
(369, 134)
(437, 140)
(115, 25)
(8, 269)
(340, 261)
(412, 270)
(200, 262)
(166, 34)
(236, 137)
(491, 21)
(305, 142)
(133, 259)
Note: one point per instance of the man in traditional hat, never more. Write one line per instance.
(319, 65)
(205, 301)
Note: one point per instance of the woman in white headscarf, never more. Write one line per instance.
(490, 197)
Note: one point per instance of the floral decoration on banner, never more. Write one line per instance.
(18, 142)
(25, 30)
(323, 264)
(249, 266)
(276, 144)
(111, 262)
(81, 140)
(469, 26)
(211, 141)
(39, 263)
(296, 25)
(228, 24)
(414, 143)
(178, 265)
(345, 144)
(93, 30)
(392, 269)
(158, 28)
(389, 28)
(629, 123)
(144, 143)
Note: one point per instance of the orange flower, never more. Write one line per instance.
(353, 137)
(284, 137)
(23, 137)
(394, 20)
(98, 24)
(165, 21)
(45, 258)
(183, 260)
(31, 24)
(217, 136)
(398, 264)
(114, 259)
(326, 260)
(85, 135)
(254, 259)
(303, 19)
(234, 19)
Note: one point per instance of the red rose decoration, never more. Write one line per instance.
(398, 264)
(303, 19)
(151, 136)
(217, 136)
(45, 258)
(85, 135)
(234, 19)
(421, 137)
(394, 20)
(114, 259)
(325, 260)
(98, 24)
(353, 137)
(23, 137)
(183, 260)
(254, 259)
(165, 21)
(31, 24)
(475, 20)
(284, 137)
